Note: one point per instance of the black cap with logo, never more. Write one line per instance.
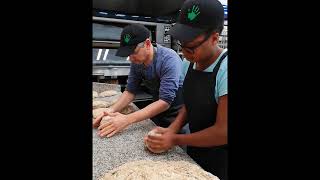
(131, 35)
(197, 17)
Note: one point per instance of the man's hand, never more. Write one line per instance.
(163, 142)
(116, 123)
(96, 122)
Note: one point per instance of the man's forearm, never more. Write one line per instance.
(177, 124)
(209, 137)
(149, 111)
(125, 99)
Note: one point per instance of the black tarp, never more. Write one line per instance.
(140, 7)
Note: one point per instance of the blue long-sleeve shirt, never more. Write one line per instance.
(168, 68)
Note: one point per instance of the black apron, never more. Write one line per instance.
(198, 94)
(165, 118)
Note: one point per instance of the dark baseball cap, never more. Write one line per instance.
(197, 17)
(131, 35)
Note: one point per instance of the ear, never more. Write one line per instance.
(214, 38)
(148, 43)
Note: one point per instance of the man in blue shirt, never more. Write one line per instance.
(205, 88)
(159, 69)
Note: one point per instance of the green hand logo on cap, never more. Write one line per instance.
(127, 38)
(193, 13)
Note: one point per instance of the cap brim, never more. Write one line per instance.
(125, 51)
(184, 33)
